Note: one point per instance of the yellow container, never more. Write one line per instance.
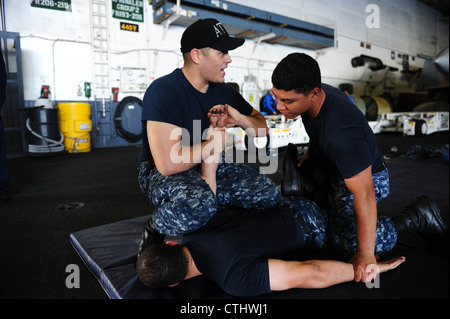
(76, 125)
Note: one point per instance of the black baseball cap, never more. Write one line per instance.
(208, 33)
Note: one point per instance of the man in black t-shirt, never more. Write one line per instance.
(251, 252)
(342, 161)
(184, 117)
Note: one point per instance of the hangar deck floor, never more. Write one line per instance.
(36, 221)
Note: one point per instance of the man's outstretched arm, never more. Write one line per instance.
(316, 273)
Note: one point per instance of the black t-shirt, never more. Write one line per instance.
(233, 248)
(341, 140)
(172, 99)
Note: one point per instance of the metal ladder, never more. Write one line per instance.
(100, 52)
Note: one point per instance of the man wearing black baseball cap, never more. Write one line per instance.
(208, 33)
(184, 116)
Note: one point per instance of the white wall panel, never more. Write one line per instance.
(56, 45)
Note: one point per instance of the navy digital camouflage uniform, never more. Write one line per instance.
(330, 226)
(313, 219)
(184, 201)
(342, 227)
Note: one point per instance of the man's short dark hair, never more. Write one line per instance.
(297, 71)
(161, 265)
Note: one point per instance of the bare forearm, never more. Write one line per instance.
(208, 170)
(329, 272)
(309, 274)
(365, 209)
(254, 125)
(226, 116)
(169, 153)
(182, 158)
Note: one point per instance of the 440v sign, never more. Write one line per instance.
(132, 10)
(129, 27)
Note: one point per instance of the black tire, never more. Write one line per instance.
(420, 129)
(121, 131)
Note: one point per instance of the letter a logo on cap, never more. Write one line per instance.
(208, 33)
(219, 29)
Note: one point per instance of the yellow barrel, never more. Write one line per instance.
(76, 125)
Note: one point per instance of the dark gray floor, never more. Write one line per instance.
(34, 230)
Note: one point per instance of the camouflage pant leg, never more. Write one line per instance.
(240, 185)
(184, 201)
(342, 222)
(313, 219)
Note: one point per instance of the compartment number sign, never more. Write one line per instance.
(60, 5)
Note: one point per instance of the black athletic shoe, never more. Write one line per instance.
(292, 183)
(149, 236)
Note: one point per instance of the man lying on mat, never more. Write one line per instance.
(232, 251)
(246, 252)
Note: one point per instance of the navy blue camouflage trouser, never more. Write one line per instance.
(342, 222)
(342, 226)
(313, 220)
(342, 240)
(184, 201)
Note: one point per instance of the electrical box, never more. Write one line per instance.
(133, 80)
